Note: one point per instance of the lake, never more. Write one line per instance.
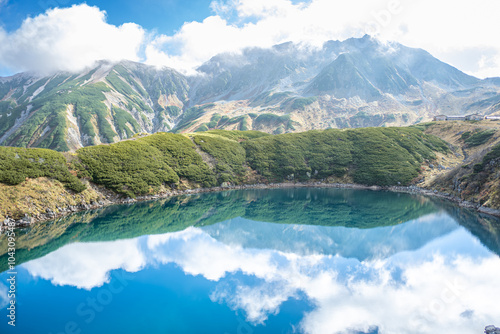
(304, 260)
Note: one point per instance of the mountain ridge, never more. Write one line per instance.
(286, 88)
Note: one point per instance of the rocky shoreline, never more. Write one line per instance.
(111, 198)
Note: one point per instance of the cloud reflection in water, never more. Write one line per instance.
(443, 282)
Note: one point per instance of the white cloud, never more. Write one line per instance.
(271, 22)
(461, 33)
(68, 39)
(431, 295)
(433, 298)
(445, 28)
(213, 259)
(87, 265)
(445, 286)
(4, 296)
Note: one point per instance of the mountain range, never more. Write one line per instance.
(289, 87)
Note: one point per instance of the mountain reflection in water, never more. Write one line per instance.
(267, 261)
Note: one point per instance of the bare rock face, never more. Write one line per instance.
(359, 82)
(491, 330)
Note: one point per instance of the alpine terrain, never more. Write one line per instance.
(358, 82)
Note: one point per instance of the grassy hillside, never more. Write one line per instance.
(18, 164)
(372, 156)
(36, 197)
(101, 105)
(165, 161)
(476, 177)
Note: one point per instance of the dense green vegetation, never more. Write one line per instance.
(229, 156)
(17, 164)
(423, 126)
(137, 167)
(281, 123)
(382, 156)
(302, 102)
(190, 115)
(119, 84)
(238, 135)
(477, 138)
(50, 118)
(122, 118)
(300, 156)
(129, 167)
(218, 121)
(180, 153)
(40, 107)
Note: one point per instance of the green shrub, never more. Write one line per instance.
(141, 166)
(238, 135)
(466, 135)
(173, 110)
(478, 138)
(180, 153)
(17, 164)
(382, 156)
(121, 118)
(490, 156)
(228, 154)
(190, 115)
(273, 120)
(202, 127)
(129, 167)
(302, 102)
(313, 153)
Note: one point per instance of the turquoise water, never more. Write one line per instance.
(260, 261)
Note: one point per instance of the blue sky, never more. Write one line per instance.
(166, 16)
(67, 35)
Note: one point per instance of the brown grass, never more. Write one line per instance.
(34, 196)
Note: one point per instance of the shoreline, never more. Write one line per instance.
(114, 199)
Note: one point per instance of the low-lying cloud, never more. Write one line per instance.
(463, 34)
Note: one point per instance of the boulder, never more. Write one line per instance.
(491, 330)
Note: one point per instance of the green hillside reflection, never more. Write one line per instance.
(358, 209)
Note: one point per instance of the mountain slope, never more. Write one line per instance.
(287, 88)
(102, 105)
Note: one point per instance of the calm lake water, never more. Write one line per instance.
(260, 261)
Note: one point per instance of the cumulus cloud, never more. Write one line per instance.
(446, 29)
(213, 259)
(429, 289)
(68, 39)
(444, 286)
(87, 265)
(431, 300)
(462, 33)
(257, 24)
(425, 290)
